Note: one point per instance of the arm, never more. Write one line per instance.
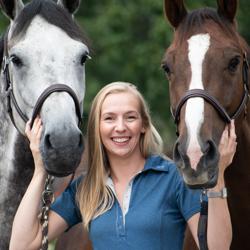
(26, 230)
(219, 232)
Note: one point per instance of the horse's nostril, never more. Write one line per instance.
(47, 142)
(210, 149)
(176, 151)
(178, 157)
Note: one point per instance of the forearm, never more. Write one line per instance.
(219, 223)
(26, 231)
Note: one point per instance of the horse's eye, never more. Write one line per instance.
(233, 64)
(166, 69)
(84, 58)
(16, 60)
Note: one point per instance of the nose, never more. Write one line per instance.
(62, 150)
(120, 125)
(179, 155)
(53, 141)
(211, 154)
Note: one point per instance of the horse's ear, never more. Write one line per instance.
(70, 5)
(11, 8)
(227, 9)
(175, 11)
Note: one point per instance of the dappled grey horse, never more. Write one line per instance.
(42, 60)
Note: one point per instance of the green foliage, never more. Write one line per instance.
(128, 42)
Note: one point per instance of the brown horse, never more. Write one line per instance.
(207, 68)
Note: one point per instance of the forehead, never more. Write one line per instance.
(120, 102)
(220, 36)
(41, 34)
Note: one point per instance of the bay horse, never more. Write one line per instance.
(42, 61)
(207, 68)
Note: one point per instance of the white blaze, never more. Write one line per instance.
(197, 48)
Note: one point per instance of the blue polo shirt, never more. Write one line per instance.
(156, 207)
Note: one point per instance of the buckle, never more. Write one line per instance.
(6, 62)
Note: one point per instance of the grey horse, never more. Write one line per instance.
(42, 47)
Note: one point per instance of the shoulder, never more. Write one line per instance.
(161, 163)
(73, 186)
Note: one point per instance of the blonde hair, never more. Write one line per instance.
(94, 197)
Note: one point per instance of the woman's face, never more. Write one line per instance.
(121, 125)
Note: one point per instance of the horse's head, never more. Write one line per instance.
(206, 66)
(43, 47)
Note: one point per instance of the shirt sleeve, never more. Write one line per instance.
(188, 200)
(65, 204)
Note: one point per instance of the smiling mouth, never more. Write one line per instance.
(120, 139)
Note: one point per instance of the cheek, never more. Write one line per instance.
(138, 129)
(104, 130)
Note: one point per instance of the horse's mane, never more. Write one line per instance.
(52, 13)
(1, 49)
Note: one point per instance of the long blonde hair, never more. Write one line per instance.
(94, 197)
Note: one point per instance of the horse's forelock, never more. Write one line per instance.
(53, 14)
(195, 20)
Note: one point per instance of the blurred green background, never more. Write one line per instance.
(129, 38)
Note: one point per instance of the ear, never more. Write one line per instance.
(70, 5)
(227, 9)
(175, 11)
(11, 8)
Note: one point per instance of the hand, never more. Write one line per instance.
(227, 147)
(34, 136)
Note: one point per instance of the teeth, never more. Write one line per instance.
(120, 139)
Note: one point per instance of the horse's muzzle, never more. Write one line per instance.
(62, 152)
(206, 173)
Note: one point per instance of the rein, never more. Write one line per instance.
(47, 199)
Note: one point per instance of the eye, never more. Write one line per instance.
(108, 118)
(16, 61)
(131, 118)
(233, 64)
(166, 69)
(84, 58)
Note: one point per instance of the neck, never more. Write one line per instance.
(123, 170)
(16, 166)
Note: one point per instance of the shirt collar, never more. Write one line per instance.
(157, 163)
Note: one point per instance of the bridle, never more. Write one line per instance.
(47, 195)
(202, 224)
(213, 101)
(11, 99)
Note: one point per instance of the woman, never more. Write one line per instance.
(131, 197)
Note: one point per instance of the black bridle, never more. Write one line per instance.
(9, 92)
(213, 101)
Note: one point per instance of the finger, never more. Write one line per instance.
(35, 122)
(232, 130)
(224, 135)
(39, 133)
(37, 125)
(27, 128)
